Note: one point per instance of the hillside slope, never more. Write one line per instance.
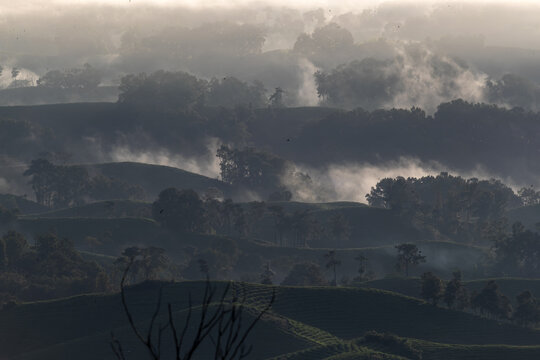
(154, 178)
(304, 323)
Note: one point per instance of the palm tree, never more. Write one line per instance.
(332, 262)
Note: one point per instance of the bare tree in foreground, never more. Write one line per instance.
(221, 321)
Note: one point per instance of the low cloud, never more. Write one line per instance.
(352, 181)
(207, 165)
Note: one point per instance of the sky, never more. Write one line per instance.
(342, 5)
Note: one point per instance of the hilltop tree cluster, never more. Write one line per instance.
(58, 186)
(185, 211)
(517, 253)
(255, 170)
(86, 78)
(465, 210)
(180, 92)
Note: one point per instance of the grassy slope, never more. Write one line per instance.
(438, 351)
(511, 287)
(155, 178)
(39, 95)
(306, 323)
(118, 233)
(25, 206)
(369, 226)
(53, 329)
(103, 209)
(348, 313)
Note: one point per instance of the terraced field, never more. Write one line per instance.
(304, 323)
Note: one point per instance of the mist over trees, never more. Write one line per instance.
(280, 47)
(348, 181)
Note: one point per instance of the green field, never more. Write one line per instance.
(304, 323)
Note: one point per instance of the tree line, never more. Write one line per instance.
(490, 301)
(58, 186)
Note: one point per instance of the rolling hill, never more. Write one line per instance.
(155, 178)
(102, 209)
(20, 203)
(304, 323)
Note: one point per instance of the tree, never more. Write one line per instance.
(529, 195)
(455, 294)
(162, 91)
(398, 194)
(7, 217)
(16, 246)
(528, 309)
(331, 263)
(267, 274)
(221, 322)
(180, 210)
(305, 274)
(432, 288)
(146, 263)
(233, 218)
(328, 39)
(491, 301)
(248, 167)
(280, 222)
(369, 83)
(302, 226)
(361, 263)
(256, 211)
(281, 194)
(86, 78)
(276, 99)
(57, 185)
(363, 273)
(517, 253)
(408, 254)
(340, 228)
(44, 177)
(230, 92)
(465, 209)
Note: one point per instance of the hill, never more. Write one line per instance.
(35, 95)
(304, 323)
(155, 178)
(369, 226)
(113, 234)
(25, 206)
(103, 209)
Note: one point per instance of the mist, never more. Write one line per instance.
(353, 181)
(207, 165)
(259, 41)
(420, 54)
